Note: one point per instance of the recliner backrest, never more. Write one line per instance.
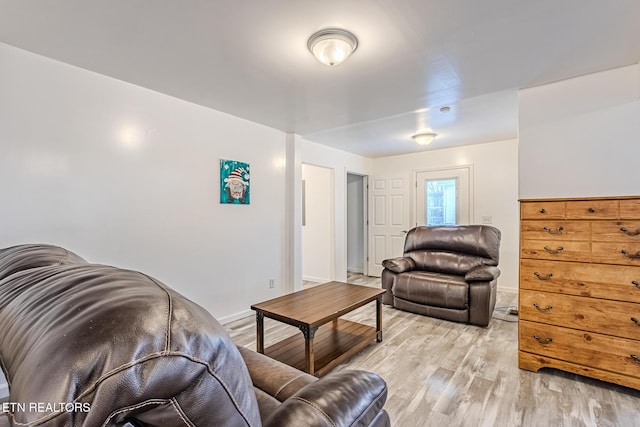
(25, 257)
(111, 346)
(452, 249)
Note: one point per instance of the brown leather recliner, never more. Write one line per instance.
(93, 345)
(446, 272)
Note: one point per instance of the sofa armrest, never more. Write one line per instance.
(484, 273)
(399, 265)
(278, 380)
(345, 398)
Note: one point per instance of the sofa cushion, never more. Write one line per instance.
(434, 289)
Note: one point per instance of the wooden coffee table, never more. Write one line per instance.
(327, 339)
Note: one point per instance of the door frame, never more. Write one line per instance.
(365, 220)
(414, 188)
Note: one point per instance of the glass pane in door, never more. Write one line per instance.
(441, 202)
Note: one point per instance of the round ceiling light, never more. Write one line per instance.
(424, 138)
(332, 46)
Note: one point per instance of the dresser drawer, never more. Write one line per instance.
(593, 209)
(542, 210)
(616, 253)
(630, 209)
(584, 348)
(612, 282)
(555, 230)
(616, 231)
(587, 314)
(555, 250)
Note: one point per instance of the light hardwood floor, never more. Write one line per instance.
(443, 373)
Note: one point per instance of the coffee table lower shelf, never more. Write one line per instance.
(334, 343)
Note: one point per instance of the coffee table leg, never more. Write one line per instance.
(379, 319)
(260, 332)
(309, 351)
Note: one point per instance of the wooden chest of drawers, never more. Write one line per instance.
(579, 293)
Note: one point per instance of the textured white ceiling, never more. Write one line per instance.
(249, 58)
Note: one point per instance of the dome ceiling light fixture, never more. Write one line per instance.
(424, 138)
(332, 46)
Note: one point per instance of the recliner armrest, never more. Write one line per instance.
(399, 265)
(278, 380)
(484, 273)
(345, 398)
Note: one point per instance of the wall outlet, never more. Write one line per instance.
(272, 283)
(486, 220)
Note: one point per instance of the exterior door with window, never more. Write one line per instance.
(443, 197)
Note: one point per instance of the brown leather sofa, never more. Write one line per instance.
(446, 272)
(93, 345)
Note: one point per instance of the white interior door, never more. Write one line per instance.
(443, 196)
(389, 219)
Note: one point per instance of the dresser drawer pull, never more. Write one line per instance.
(556, 231)
(541, 341)
(635, 321)
(547, 276)
(554, 251)
(591, 210)
(635, 283)
(542, 211)
(542, 310)
(635, 358)
(630, 233)
(632, 256)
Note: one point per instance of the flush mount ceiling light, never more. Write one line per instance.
(332, 46)
(424, 138)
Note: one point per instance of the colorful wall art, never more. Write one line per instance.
(234, 182)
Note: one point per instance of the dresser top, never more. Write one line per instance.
(568, 199)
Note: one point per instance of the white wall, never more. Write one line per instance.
(581, 137)
(495, 168)
(341, 163)
(317, 228)
(130, 177)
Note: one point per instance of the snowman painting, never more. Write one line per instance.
(234, 178)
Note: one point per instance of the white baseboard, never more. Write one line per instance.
(237, 316)
(509, 289)
(316, 279)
